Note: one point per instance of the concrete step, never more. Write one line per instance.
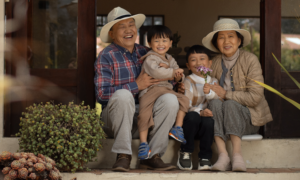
(251, 174)
(266, 153)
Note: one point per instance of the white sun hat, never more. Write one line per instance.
(116, 15)
(225, 25)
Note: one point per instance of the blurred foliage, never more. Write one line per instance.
(70, 134)
(28, 166)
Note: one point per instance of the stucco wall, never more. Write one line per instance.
(193, 19)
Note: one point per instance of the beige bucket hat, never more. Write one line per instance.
(116, 15)
(225, 25)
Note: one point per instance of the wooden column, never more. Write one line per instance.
(86, 51)
(271, 43)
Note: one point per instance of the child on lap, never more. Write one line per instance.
(159, 65)
(198, 122)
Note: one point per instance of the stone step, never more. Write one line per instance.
(265, 153)
(251, 174)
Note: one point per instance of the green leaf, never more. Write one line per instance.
(295, 81)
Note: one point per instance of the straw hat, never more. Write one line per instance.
(225, 25)
(116, 15)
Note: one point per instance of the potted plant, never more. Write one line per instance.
(175, 50)
(69, 134)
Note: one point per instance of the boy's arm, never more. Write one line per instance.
(190, 94)
(174, 65)
(152, 68)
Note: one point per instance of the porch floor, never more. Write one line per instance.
(139, 174)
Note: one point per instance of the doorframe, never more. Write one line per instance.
(87, 13)
(86, 55)
(270, 11)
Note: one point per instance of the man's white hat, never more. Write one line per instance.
(116, 15)
(225, 25)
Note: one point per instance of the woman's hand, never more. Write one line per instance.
(206, 113)
(218, 90)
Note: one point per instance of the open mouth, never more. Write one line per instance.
(160, 49)
(128, 37)
(227, 47)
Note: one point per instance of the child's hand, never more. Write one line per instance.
(178, 74)
(164, 65)
(179, 71)
(206, 88)
(206, 113)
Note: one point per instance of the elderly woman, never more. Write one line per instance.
(244, 108)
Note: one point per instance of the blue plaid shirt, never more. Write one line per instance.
(116, 68)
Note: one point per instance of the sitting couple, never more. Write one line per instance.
(135, 87)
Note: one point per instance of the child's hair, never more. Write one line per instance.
(199, 49)
(160, 31)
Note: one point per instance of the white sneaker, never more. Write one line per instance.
(184, 161)
(204, 165)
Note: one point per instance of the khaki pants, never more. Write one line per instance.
(147, 101)
(120, 118)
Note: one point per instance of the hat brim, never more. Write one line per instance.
(206, 41)
(139, 20)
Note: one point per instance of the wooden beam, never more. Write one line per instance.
(271, 43)
(86, 51)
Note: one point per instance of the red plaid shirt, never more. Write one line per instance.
(116, 68)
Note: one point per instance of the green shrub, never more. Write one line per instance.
(69, 134)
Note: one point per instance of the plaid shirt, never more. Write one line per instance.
(116, 68)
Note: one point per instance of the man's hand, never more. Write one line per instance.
(180, 88)
(206, 113)
(144, 80)
(206, 88)
(164, 65)
(218, 90)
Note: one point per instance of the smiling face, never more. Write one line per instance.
(228, 42)
(124, 33)
(160, 45)
(198, 59)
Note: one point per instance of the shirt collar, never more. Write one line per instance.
(124, 50)
(199, 79)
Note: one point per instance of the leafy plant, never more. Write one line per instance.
(176, 39)
(28, 166)
(70, 134)
(297, 105)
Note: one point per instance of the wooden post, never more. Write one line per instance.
(271, 43)
(86, 51)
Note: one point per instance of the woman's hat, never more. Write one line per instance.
(225, 25)
(116, 15)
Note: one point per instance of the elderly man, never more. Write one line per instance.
(118, 81)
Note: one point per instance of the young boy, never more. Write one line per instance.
(198, 122)
(159, 65)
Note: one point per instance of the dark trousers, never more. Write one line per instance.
(201, 128)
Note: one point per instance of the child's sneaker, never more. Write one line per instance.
(204, 164)
(144, 151)
(177, 133)
(184, 161)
